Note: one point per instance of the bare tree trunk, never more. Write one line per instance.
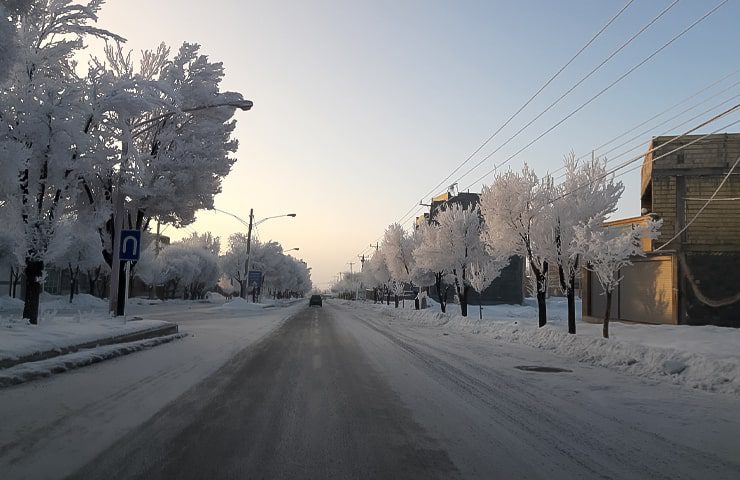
(395, 299)
(541, 304)
(34, 271)
(607, 313)
(480, 304)
(464, 301)
(572, 307)
(72, 281)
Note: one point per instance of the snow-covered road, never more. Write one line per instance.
(50, 427)
(441, 396)
(497, 421)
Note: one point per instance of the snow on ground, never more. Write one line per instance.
(702, 357)
(27, 371)
(61, 325)
(79, 413)
(467, 390)
(240, 304)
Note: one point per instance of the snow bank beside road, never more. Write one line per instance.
(44, 368)
(20, 339)
(705, 358)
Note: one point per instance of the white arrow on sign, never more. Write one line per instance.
(134, 244)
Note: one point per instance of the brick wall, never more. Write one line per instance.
(694, 172)
(718, 227)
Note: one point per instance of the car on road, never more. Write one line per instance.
(315, 300)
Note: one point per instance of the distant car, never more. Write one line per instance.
(315, 300)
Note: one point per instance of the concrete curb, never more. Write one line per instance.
(153, 332)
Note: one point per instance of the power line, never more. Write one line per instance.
(690, 97)
(567, 92)
(709, 200)
(714, 107)
(664, 46)
(633, 160)
(545, 85)
(694, 95)
(535, 95)
(714, 132)
(605, 89)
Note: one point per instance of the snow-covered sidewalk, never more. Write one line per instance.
(65, 328)
(705, 357)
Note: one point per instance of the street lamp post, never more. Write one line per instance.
(118, 293)
(251, 224)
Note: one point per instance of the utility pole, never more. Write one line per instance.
(376, 246)
(362, 260)
(156, 242)
(350, 266)
(249, 247)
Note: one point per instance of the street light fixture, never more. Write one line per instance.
(292, 249)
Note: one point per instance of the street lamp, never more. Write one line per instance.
(117, 301)
(249, 225)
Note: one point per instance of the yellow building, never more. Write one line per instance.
(695, 278)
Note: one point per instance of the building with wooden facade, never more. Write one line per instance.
(694, 278)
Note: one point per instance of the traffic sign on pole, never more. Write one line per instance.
(130, 245)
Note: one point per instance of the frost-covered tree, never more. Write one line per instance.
(431, 262)
(281, 272)
(460, 245)
(151, 268)
(348, 286)
(606, 250)
(190, 266)
(76, 248)
(234, 260)
(175, 136)
(586, 194)
(10, 46)
(483, 273)
(518, 220)
(397, 248)
(46, 117)
(377, 274)
(11, 254)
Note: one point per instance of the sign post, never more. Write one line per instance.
(129, 251)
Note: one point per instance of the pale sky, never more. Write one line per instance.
(362, 107)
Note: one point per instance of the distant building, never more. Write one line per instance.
(509, 286)
(694, 280)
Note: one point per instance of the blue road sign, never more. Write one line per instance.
(130, 244)
(255, 278)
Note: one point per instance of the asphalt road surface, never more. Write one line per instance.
(303, 404)
(343, 392)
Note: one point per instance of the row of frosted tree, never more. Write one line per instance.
(554, 226)
(195, 266)
(188, 268)
(78, 131)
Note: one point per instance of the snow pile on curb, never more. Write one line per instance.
(44, 368)
(700, 370)
(239, 303)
